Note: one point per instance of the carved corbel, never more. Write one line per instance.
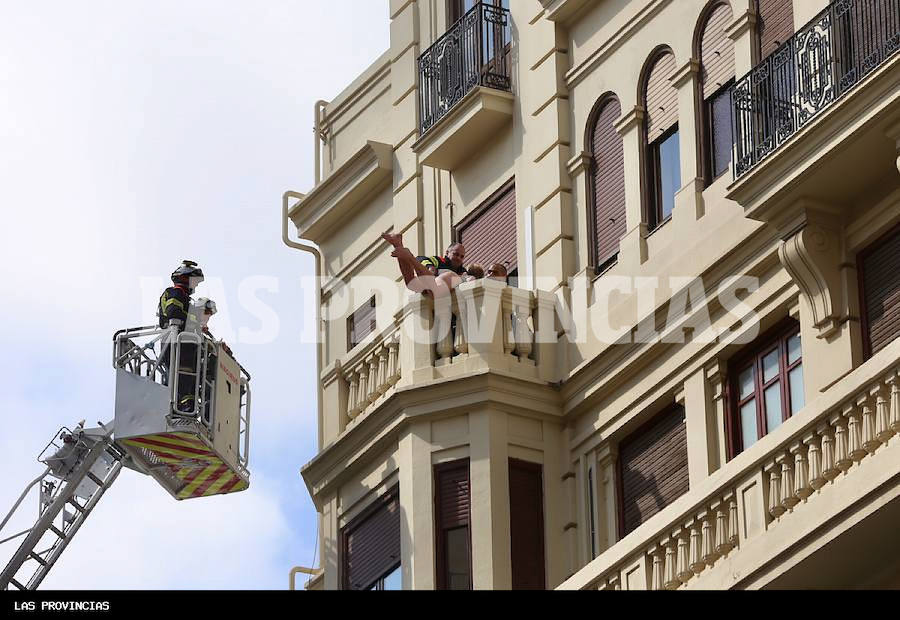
(812, 253)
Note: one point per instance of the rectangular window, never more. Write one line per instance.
(361, 323)
(719, 131)
(879, 283)
(526, 525)
(766, 385)
(652, 469)
(453, 544)
(371, 546)
(666, 171)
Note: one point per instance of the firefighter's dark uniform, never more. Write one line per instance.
(175, 303)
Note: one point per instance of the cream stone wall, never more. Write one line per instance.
(602, 392)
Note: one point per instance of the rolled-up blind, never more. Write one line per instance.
(881, 292)
(608, 171)
(489, 234)
(662, 97)
(775, 24)
(716, 51)
(372, 544)
(654, 468)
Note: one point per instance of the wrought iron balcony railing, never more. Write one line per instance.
(814, 68)
(474, 52)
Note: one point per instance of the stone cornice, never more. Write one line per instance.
(338, 196)
(383, 427)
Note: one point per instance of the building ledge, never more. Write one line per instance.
(563, 11)
(468, 126)
(337, 197)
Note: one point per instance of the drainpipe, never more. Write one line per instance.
(318, 301)
(317, 136)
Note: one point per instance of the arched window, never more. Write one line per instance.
(662, 170)
(716, 52)
(606, 182)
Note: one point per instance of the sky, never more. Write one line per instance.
(134, 135)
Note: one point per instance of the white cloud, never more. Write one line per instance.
(136, 135)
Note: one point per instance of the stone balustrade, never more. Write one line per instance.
(482, 325)
(371, 373)
(761, 489)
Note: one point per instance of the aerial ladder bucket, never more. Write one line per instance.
(188, 428)
(182, 416)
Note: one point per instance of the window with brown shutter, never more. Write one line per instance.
(662, 173)
(606, 183)
(653, 469)
(879, 279)
(361, 323)
(453, 544)
(774, 24)
(526, 525)
(371, 546)
(489, 232)
(716, 52)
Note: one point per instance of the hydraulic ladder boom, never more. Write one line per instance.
(77, 476)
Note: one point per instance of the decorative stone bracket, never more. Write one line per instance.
(812, 251)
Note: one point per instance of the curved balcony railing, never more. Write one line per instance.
(472, 53)
(822, 62)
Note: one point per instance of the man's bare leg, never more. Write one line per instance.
(409, 266)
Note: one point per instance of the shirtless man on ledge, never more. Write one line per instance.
(441, 275)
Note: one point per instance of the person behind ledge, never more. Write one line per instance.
(496, 272)
(428, 275)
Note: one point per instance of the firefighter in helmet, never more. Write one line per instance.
(174, 306)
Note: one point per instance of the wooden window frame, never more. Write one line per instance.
(390, 495)
(708, 147)
(655, 217)
(440, 553)
(861, 257)
(351, 325)
(752, 355)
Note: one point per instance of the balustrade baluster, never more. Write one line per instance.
(394, 347)
(883, 430)
(775, 507)
(710, 555)
(659, 565)
(830, 470)
(788, 499)
(723, 541)
(814, 457)
(373, 379)
(383, 372)
(460, 340)
(697, 563)
(353, 396)
(672, 580)
(894, 382)
(870, 432)
(363, 386)
(733, 537)
(802, 488)
(684, 573)
(855, 430)
(841, 448)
